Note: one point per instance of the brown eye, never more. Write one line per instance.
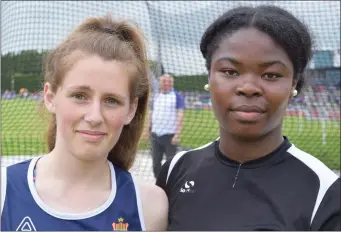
(271, 76)
(231, 73)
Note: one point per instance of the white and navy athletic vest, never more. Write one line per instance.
(23, 210)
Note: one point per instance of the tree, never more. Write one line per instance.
(24, 68)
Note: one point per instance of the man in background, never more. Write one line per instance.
(166, 118)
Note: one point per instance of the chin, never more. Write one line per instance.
(245, 132)
(247, 136)
(90, 155)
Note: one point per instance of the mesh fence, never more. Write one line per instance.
(173, 29)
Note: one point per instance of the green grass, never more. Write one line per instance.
(23, 131)
(22, 128)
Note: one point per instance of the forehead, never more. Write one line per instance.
(104, 76)
(165, 79)
(250, 45)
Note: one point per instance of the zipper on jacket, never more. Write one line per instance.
(236, 176)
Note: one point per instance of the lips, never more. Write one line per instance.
(89, 135)
(248, 108)
(91, 132)
(247, 113)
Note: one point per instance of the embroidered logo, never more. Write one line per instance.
(120, 226)
(188, 187)
(26, 225)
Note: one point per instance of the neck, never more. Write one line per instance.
(242, 150)
(69, 169)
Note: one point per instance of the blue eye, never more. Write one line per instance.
(78, 96)
(111, 101)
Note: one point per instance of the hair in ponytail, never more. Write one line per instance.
(111, 40)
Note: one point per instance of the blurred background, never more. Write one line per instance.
(29, 29)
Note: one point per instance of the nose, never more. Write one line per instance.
(94, 114)
(249, 87)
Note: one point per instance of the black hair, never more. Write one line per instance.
(283, 27)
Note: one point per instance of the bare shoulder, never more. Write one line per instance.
(153, 193)
(155, 206)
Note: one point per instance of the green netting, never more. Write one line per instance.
(174, 29)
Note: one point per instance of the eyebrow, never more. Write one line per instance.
(88, 88)
(264, 64)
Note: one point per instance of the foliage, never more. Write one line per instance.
(25, 68)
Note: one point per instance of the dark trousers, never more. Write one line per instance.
(161, 145)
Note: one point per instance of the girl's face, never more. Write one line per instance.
(251, 82)
(91, 106)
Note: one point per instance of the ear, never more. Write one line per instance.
(49, 98)
(132, 111)
(294, 84)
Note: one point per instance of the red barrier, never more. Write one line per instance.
(332, 115)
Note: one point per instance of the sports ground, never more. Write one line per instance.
(23, 129)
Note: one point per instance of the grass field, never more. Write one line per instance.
(23, 131)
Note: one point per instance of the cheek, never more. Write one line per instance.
(221, 92)
(67, 119)
(278, 99)
(117, 118)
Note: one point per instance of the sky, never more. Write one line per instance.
(178, 26)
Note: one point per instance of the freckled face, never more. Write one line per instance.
(91, 106)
